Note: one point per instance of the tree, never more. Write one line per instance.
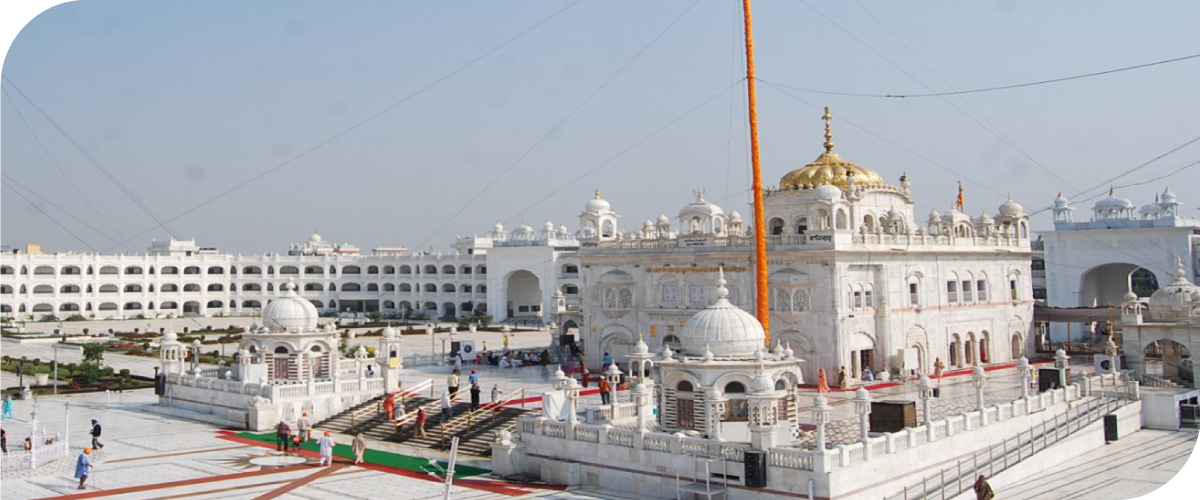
(93, 354)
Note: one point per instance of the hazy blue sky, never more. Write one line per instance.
(182, 102)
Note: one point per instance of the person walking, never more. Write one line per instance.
(359, 446)
(983, 490)
(586, 375)
(475, 390)
(822, 381)
(389, 405)
(305, 427)
(484, 346)
(938, 366)
(842, 378)
(83, 467)
(7, 408)
(496, 392)
(452, 384)
(283, 434)
(297, 441)
(95, 432)
(420, 425)
(325, 445)
(607, 361)
(473, 377)
(605, 387)
(447, 414)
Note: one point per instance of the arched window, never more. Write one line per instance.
(430, 269)
(289, 270)
(735, 388)
(189, 270)
(281, 350)
(170, 270)
(216, 270)
(447, 269)
(685, 386)
(405, 270)
(351, 270)
(133, 270)
(372, 287)
(351, 287)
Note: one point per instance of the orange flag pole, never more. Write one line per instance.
(760, 223)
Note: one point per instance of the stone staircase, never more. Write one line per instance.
(473, 439)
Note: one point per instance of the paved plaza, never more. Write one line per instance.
(153, 457)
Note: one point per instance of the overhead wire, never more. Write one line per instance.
(362, 122)
(622, 152)
(1002, 138)
(66, 177)
(560, 123)
(92, 159)
(990, 89)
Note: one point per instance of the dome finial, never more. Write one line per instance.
(597, 194)
(1180, 271)
(828, 130)
(722, 292)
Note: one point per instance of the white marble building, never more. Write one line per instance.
(1165, 327)
(856, 280)
(177, 278)
(1122, 248)
(286, 367)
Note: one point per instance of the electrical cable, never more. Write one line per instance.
(560, 123)
(991, 89)
(361, 122)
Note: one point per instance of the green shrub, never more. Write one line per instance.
(124, 373)
(48, 318)
(75, 317)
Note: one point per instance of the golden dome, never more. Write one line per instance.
(829, 168)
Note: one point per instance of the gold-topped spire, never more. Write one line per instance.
(597, 194)
(828, 130)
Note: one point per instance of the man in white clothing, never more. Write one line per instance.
(326, 445)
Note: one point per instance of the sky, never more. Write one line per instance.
(249, 125)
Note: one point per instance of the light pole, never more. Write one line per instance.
(614, 377)
(979, 380)
(1023, 368)
(21, 371)
(862, 405)
(821, 411)
(926, 391)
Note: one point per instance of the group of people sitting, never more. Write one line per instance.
(515, 359)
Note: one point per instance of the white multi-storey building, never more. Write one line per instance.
(178, 278)
(855, 281)
(1122, 249)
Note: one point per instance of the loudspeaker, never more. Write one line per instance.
(756, 468)
(1110, 428)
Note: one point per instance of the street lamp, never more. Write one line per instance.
(21, 371)
(613, 374)
(1023, 369)
(925, 387)
(862, 405)
(821, 410)
(979, 380)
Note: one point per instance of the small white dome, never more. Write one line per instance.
(700, 207)
(984, 219)
(1130, 296)
(762, 383)
(1151, 208)
(640, 347)
(1168, 197)
(290, 312)
(663, 219)
(1011, 208)
(390, 333)
(597, 205)
(734, 216)
(1177, 300)
(170, 336)
(1114, 202)
(549, 226)
(315, 238)
(934, 216)
(732, 330)
(648, 224)
(499, 228)
(827, 192)
(1061, 201)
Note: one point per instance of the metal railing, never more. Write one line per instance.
(377, 408)
(428, 407)
(467, 420)
(960, 477)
